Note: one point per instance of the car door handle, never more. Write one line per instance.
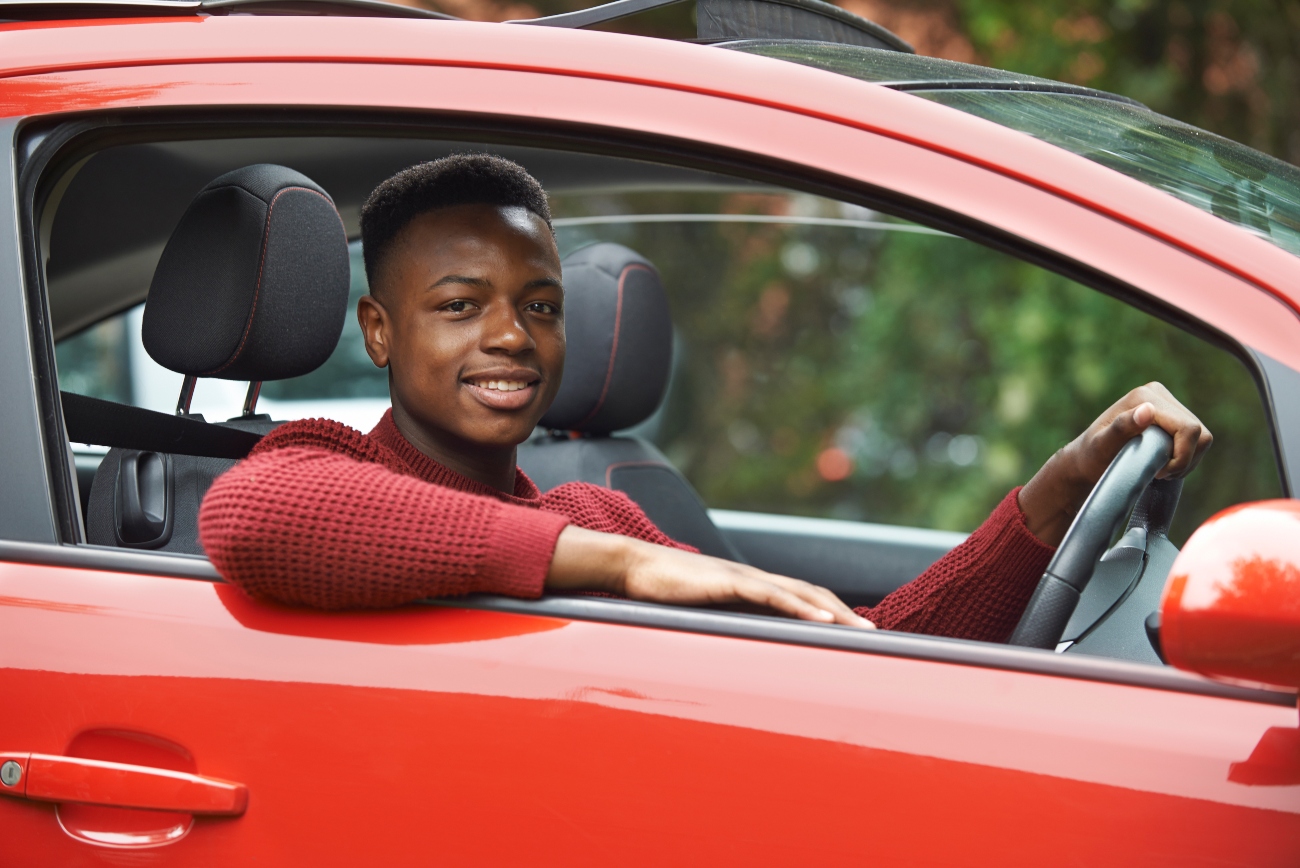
(46, 778)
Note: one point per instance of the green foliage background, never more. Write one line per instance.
(1229, 67)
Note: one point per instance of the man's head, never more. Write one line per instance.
(465, 303)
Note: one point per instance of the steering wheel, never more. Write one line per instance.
(1111, 500)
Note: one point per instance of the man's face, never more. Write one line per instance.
(470, 324)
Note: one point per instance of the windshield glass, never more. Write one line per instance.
(1235, 183)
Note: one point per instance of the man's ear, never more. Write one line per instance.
(375, 328)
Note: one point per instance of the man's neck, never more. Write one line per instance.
(492, 467)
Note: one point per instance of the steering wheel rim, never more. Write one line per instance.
(1108, 504)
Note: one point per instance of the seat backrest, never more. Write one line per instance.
(252, 285)
(620, 347)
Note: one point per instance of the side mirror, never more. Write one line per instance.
(1231, 607)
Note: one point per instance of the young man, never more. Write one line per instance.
(466, 312)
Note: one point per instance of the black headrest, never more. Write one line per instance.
(253, 283)
(620, 341)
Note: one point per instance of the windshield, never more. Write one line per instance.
(1235, 183)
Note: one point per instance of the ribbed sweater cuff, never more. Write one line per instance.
(519, 550)
(1020, 546)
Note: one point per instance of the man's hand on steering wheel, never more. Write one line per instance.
(1050, 500)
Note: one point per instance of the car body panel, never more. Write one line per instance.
(47, 48)
(486, 736)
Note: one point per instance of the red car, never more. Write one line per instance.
(840, 227)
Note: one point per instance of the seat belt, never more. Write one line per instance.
(106, 423)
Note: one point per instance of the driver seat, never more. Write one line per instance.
(620, 349)
(252, 285)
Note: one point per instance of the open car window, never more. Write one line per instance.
(850, 392)
(831, 361)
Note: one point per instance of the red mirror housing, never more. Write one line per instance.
(1231, 608)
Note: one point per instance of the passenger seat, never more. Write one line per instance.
(620, 347)
(252, 285)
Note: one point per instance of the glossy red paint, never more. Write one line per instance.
(591, 743)
(616, 58)
(1232, 605)
(765, 136)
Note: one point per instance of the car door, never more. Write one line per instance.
(595, 731)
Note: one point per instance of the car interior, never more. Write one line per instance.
(730, 364)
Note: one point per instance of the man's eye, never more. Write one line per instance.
(457, 306)
(543, 307)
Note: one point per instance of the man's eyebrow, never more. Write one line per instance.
(461, 280)
(543, 281)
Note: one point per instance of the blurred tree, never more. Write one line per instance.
(1229, 67)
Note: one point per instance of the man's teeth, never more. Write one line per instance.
(502, 385)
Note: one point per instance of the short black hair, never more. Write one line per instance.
(458, 179)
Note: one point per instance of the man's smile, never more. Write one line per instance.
(511, 389)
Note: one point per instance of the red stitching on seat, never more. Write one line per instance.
(613, 350)
(257, 290)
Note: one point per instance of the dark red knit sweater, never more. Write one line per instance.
(322, 515)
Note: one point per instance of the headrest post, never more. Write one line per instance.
(250, 399)
(187, 395)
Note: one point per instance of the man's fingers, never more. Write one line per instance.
(822, 598)
(800, 599)
(1123, 428)
(843, 614)
(778, 598)
(1184, 452)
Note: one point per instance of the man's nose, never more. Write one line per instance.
(505, 331)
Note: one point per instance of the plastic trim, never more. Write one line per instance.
(109, 560)
(595, 14)
(1282, 398)
(26, 510)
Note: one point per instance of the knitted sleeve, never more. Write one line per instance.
(309, 526)
(604, 509)
(979, 589)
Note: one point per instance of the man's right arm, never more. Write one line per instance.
(311, 527)
(308, 526)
